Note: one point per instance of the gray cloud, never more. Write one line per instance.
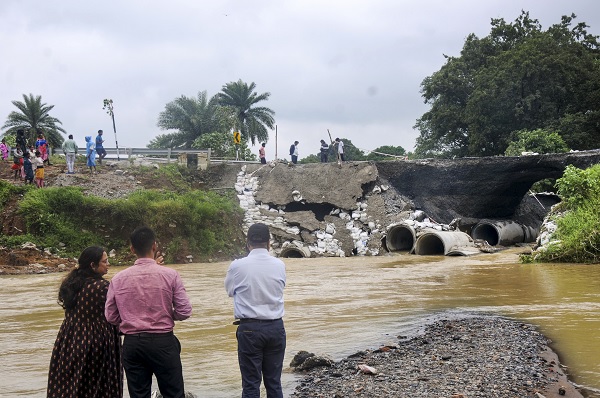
(354, 67)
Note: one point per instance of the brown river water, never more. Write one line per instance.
(334, 306)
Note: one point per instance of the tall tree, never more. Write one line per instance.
(252, 121)
(192, 118)
(519, 77)
(34, 117)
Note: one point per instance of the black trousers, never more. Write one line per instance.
(261, 347)
(145, 354)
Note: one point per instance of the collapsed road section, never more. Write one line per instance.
(317, 210)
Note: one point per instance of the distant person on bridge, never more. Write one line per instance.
(261, 153)
(294, 152)
(324, 151)
(100, 147)
(340, 149)
(256, 283)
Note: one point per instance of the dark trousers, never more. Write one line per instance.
(323, 157)
(261, 347)
(159, 354)
(294, 159)
(263, 160)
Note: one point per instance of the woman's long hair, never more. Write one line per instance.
(73, 283)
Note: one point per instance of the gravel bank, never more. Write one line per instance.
(454, 358)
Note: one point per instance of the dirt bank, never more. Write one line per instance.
(113, 180)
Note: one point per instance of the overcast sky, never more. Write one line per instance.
(353, 67)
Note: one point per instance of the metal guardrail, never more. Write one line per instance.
(168, 153)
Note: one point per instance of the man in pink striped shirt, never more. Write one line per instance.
(145, 300)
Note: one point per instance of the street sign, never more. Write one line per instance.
(237, 137)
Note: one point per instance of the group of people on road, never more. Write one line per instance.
(324, 151)
(142, 303)
(28, 162)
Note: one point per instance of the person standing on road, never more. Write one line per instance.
(21, 142)
(256, 283)
(261, 153)
(340, 149)
(294, 152)
(69, 148)
(100, 147)
(145, 300)
(90, 153)
(324, 151)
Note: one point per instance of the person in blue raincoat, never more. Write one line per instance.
(90, 152)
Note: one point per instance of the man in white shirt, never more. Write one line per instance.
(340, 149)
(256, 283)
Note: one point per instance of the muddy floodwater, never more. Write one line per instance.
(334, 306)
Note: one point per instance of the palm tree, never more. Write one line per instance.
(34, 117)
(192, 117)
(251, 121)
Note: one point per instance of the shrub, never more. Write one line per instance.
(577, 235)
(195, 221)
(540, 141)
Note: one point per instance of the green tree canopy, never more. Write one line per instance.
(33, 117)
(539, 141)
(252, 121)
(192, 118)
(382, 153)
(519, 77)
(222, 146)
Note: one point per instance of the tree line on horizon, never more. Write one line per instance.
(521, 88)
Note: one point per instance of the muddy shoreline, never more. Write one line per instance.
(454, 357)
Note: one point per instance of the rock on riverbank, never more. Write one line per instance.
(457, 358)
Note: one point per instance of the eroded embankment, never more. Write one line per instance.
(327, 210)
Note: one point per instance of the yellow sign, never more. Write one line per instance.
(237, 137)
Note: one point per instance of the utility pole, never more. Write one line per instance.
(108, 107)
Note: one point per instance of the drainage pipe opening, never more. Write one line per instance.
(503, 232)
(487, 232)
(432, 243)
(400, 238)
(295, 252)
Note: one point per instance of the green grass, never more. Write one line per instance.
(577, 236)
(194, 222)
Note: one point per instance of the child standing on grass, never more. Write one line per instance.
(39, 170)
(17, 162)
(28, 168)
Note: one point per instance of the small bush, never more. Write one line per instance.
(540, 141)
(577, 235)
(195, 221)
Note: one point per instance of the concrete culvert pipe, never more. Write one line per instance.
(295, 252)
(435, 242)
(400, 238)
(503, 232)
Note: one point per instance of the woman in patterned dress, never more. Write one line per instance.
(86, 359)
